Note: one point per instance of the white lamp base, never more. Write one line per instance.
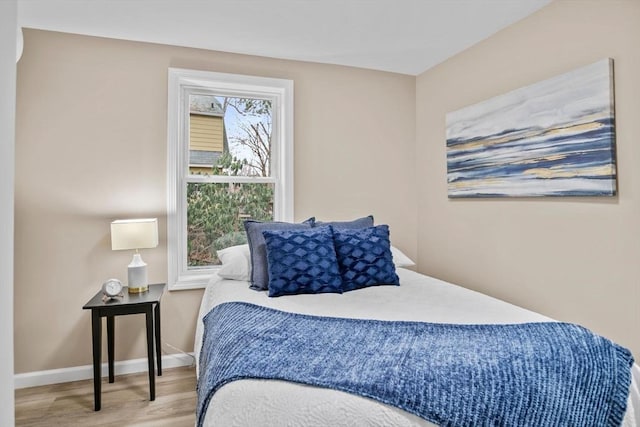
(138, 275)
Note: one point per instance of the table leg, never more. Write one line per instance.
(96, 334)
(158, 341)
(110, 346)
(152, 376)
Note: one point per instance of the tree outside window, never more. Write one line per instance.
(232, 135)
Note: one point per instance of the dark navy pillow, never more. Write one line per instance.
(302, 262)
(363, 222)
(364, 257)
(254, 229)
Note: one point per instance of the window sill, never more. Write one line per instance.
(191, 281)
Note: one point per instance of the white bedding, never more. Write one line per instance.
(419, 298)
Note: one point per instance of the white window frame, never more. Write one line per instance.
(182, 83)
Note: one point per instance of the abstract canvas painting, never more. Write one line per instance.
(553, 138)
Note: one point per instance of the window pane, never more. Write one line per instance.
(229, 135)
(215, 215)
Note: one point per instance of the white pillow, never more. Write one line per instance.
(236, 263)
(400, 259)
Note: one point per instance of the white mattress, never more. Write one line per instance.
(419, 298)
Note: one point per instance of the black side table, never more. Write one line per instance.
(147, 303)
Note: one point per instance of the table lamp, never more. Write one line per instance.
(135, 234)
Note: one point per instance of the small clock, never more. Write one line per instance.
(112, 288)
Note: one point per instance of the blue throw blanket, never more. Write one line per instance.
(532, 374)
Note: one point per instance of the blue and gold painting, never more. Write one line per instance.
(553, 138)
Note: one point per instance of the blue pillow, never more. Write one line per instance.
(254, 229)
(364, 257)
(302, 262)
(363, 222)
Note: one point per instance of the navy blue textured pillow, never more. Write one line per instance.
(302, 262)
(254, 229)
(363, 222)
(364, 257)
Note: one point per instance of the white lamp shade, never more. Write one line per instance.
(134, 233)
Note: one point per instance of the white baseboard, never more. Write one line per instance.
(76, 373)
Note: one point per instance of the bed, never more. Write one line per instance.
(263, 402)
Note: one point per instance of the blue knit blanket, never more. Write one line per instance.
(532, 374)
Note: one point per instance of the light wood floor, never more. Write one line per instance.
(124, 402)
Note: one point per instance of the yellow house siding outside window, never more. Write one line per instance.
(206, 133)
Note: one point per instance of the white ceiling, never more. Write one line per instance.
(403, 36)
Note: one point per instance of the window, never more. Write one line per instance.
(230, 158)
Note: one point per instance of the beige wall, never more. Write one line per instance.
(91, 147)
(574, 259)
